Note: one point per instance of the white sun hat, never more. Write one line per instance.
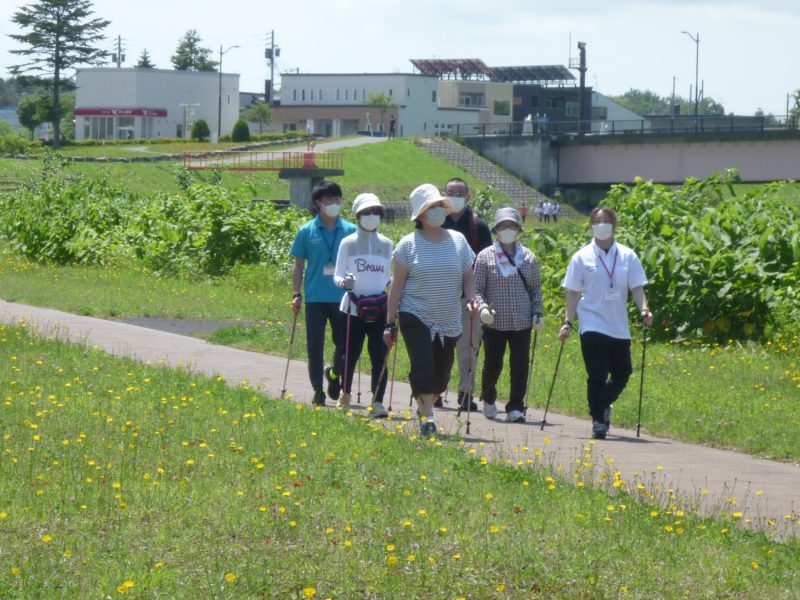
(365, 201)
(424, 196)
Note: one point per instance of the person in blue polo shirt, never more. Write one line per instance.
(317, 243)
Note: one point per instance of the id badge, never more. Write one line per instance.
(612, 296)
(329, 270)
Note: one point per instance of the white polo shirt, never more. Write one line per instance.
(604, 280)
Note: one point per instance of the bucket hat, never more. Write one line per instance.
(424, 196)
(365, 201)
(506, 214)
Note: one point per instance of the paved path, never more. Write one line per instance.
(762, 489)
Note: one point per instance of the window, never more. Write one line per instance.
(466, 99)
(502, 108)
(390, 91)
(363, 94)
(294, 95)
(312, 95)
(408, 92)
(355, 94)
(433, 96)
(320, 94)
(347, 95)
(338, 95)
(228, 98)
(302, 95)
(573, 109)
(555, 103)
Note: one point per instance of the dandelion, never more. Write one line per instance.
(488, 495)
(494, 529)
(159, 565)
(391, 560)
(16, 571)
(754, 564)
(309, 592)
(125, 586)
(47, 538)
(230, 577)
(3, 515)
(390, 547)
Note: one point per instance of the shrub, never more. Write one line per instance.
(11, 143)
(241, 132)
(200, 130)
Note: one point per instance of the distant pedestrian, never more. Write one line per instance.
(432, 271)
(555, 211)
(317, 243)
(508, 288)
(363, 268)
(392, 126)
(598, 279)
(538, 211)
(523, 211)
(547, 210)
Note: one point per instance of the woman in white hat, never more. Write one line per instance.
(508, 287)
(432, 268)
(363, 270)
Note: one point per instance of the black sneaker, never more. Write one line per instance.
(319, 398)
(334, 385)
(462, 402)
(599, 430)
(438, 403)
(607, 417)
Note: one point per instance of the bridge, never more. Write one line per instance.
(584, 158)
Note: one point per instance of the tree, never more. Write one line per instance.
(260, 113)
(200, 130)
(647, 103)
(794, 111)
(382, 102)
(241, 132)
(189, 56)
(35, 109)
(144, 61)
(60, 34)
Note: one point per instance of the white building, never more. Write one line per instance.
(115, 104)
(334, 104)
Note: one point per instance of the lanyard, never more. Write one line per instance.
(330, 246)
(613, 268)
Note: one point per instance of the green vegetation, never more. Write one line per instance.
(200, 130)
(118, 479)
(241, 132)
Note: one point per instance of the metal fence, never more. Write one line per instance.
(653, 125)
(263, 161)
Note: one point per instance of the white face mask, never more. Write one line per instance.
(507, 236)
(602, 231)
(331, 210)
(435, 216)
(458, 203)
(369, 222)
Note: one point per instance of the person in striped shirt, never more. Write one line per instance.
(432, 269)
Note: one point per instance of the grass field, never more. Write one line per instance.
(119, 479)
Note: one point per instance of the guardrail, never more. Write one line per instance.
(262, 161)
(655, 125)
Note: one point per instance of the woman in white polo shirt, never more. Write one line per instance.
(599, 277)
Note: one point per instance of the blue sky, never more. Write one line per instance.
(748, 50)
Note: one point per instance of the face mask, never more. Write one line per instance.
(458, 203)
(507, 236)
(331, 210)
(369, 222)
(435, 216)
(602, 231)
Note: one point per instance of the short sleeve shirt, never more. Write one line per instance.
(435, 279)
(318, 246)
(604, 280)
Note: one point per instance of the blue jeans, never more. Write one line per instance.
(318, 314)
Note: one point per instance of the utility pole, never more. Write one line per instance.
(696, 39)
(271, 53)
(118, 57)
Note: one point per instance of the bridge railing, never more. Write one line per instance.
(262, 161)
(651, 125)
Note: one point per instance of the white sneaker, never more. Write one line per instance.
(343, 403)
(515, 416)
(379, 411)
(489, 410)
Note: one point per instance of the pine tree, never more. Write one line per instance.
(189, 56)
(144, 61)
(60, 34)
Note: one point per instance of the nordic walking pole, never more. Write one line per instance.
(346, 353)
(468, 392)
(358, 368)
(641, 380)
(530, 368)
(394, 370)
(289, 356)
(552, 385)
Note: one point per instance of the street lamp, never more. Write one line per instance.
(696, 39)
(219, 106)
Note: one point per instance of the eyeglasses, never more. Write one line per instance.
(328, 200)
(370, 211)
(458, 194)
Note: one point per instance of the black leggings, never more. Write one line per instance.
(431, 360)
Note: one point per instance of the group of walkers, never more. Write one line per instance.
(453, 284)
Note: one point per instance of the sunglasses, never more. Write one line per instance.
(370, 211)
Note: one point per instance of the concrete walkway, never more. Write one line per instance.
(703, 477)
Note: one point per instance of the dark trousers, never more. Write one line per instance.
(431, 360)
(318, 314)
(494, 350)
(608, 368)
(353, 344)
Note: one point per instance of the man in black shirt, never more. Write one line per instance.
(463, 220)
